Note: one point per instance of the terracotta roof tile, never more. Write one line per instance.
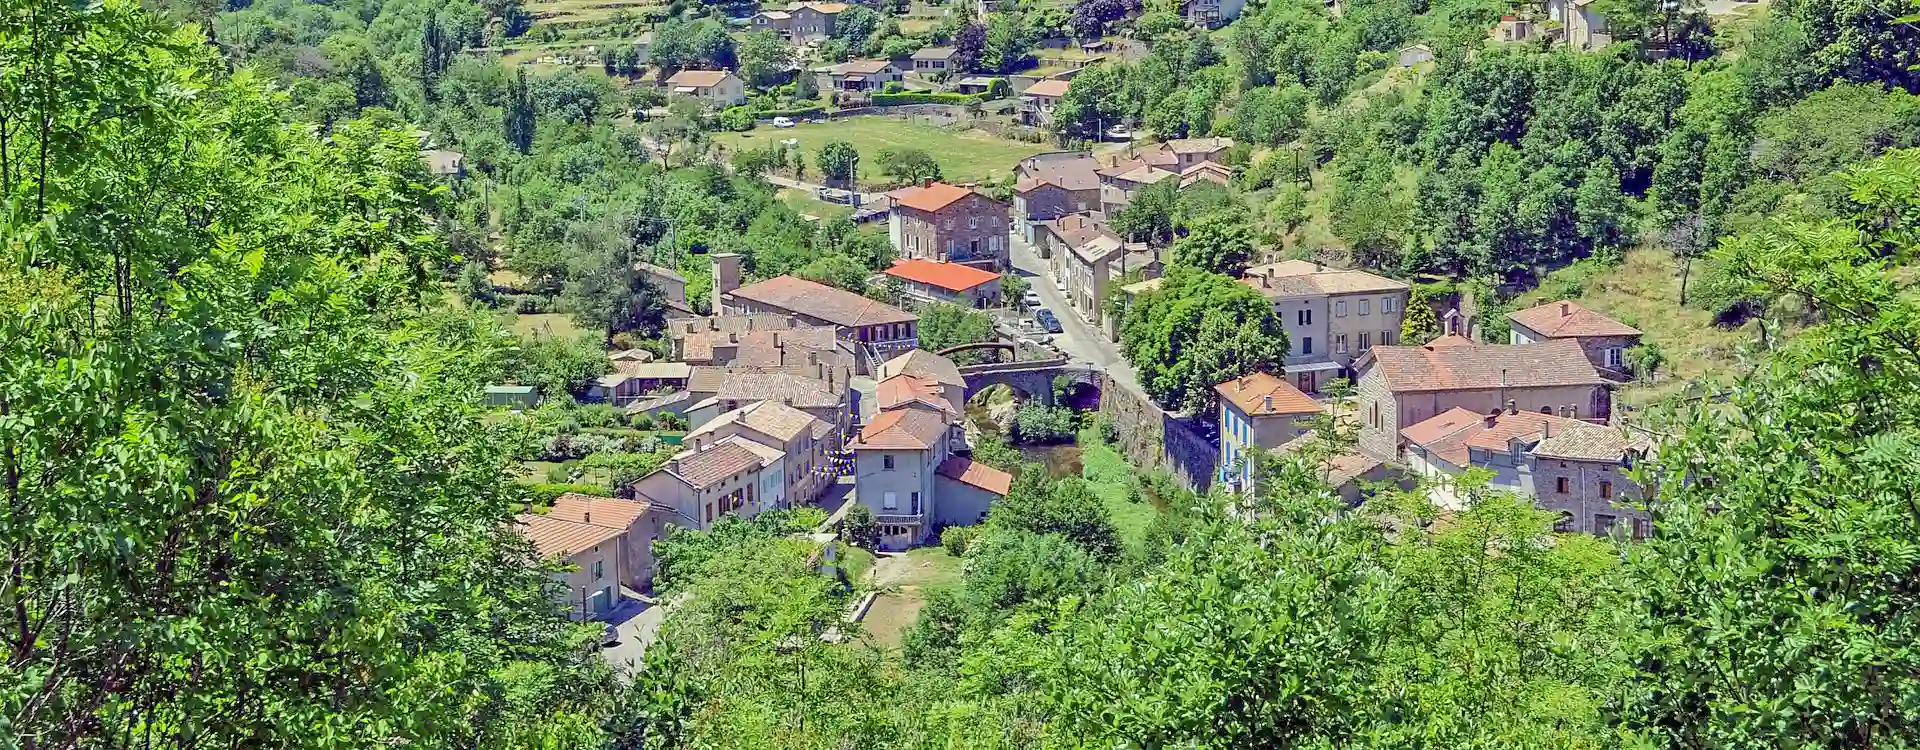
(1450, 434)
(837, 306)
(1409, 369)
(902, 429)
(1337, 470)
(901, 390)
(705, 468)
(699, 79)
(1263, 394)
(925, 364)
(601, 511)
(1047, 87)
(554, 537)
(1565, 319)
(953, 277)
(932, 198)
(1294, 278)
(973, 473)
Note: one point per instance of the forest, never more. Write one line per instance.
(253, 500)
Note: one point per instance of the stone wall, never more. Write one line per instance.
(1152, 438)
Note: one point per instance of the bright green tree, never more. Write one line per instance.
(1197, 330)
(1219, 242)
(839, 163)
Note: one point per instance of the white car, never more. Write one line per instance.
(783, 122)
(1030, 299)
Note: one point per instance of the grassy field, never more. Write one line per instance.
(804, 203)
(1644, 292)
(546, 324)
(1108, 475)
(904, 581)
(582, 11)
(964, 156)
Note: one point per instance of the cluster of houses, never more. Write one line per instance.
(1534, 411)
(776, 419)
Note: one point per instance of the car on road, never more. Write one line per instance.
(1047, 320)
(609, 636)
(783, 122)
(1030, 299)
(1060, 284)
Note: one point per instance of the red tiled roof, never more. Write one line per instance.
(709, 467)
(973, 473)
(932, 197)
(1409, 369)
(699, 79)
(925, 364)
(837, 306)
(600, 511)
(1262, 395)
(1452, 432)
(1565, 319)
(904, 429)
(904, 389)
(952, 277)
(554, 537)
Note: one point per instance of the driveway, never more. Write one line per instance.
(1078, 338)
(638, 622)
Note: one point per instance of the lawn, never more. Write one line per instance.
(963, 155)
(1109, 476)
(904, 580)
(804, 203)
(546, 324)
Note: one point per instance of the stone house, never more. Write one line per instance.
(825, 393)
(802, 441)
(1413, 55)
(632, 381)
(927, 281)
(1121, 182)
(813, 21)
(879, 328)
(672, 286)
(1331, 315)
(709, 479)
(1258, 413)
(716, 88)
(776, 21)
(945, 222)
(641, 523)
(1053, 185)
(1037, 102)
(1604, 339)
(1081, 251)
(1562, 464)
(591, 586)
(1400, 386)
(1344, 472)
(1581, 26)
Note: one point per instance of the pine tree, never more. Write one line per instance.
(434, 56)
(518, 115)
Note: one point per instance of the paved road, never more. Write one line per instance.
(1078, 338)
(638, 622)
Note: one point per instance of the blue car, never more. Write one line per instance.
(1046, 319)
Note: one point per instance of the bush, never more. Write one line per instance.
(859, 528)
(923, 97)
(597, 415)
(737, 119)
(894, 87)
(1034, 423)
(768, 114)
(670, 421)
(543, 494)
(641, 421)
(957, 538)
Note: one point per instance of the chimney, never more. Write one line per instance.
(1492, 417)
(1510, 409)
(776, 339)
(788, 400)
(726, 277)
(1565, 309)
(1271, 273)
(927, 183)
(1503, 383)
(1242, 385)
(819, 370)
(733, 338)
(586, 517)
(1546, 429)
(1317, 267)
(1267, 402)
(713, 324)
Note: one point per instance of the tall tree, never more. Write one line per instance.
(1197, 330)
(1220, 242)
(839, 163)
(517, 116)
(763, 58)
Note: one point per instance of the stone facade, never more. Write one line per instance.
(1584, 503)
(1384, 413)
(1153, 439)
(972, 229)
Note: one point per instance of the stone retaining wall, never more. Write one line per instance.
(1150, 437)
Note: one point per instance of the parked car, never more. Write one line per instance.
(1030, 299)
(1047, 320)
(609, 636)
(783, 122)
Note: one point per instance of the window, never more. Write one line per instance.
(1613, 357)
(913, 501)
(1304, 317)
(1387, 305)
(1340, 309)
(1363, 307)
(1603, 524)
(1389, 337)
(599, 569)
(973, 222)
(886, 463)
(1565, 522)
(1641, 528)
(1560, 485)
(1375, 417)
(889, 501)
(1366, 341)
(1306, 345)
(1606, 489)
(1340, 344)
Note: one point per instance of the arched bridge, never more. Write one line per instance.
(1034, 378)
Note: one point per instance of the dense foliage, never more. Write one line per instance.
(1196, 330)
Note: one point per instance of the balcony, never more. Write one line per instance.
(899, 519)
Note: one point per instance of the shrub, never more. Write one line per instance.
(737, 119)
(923, 97)
(1042, 424)
(543, 494)
(641, 421)
(671, 421)
(957, 538)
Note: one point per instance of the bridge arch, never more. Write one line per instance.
(1012, 351)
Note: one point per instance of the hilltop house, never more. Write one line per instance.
(1604, 339)
(1401, 386)
(1581, 27)
(939, 221)
(1038, 101)
(591, 585)
(811, 22)
(1331, 315)
(932, 61)
(1564, 464)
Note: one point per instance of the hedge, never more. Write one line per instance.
(923, 97)
(543, 494)
(768, 114)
